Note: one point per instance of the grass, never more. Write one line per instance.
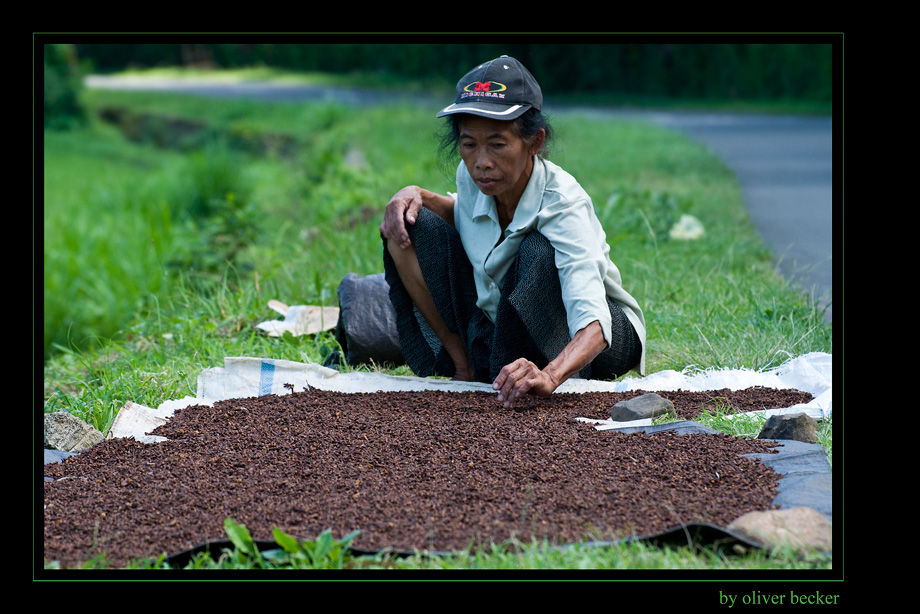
(159, 261)
(509, 556)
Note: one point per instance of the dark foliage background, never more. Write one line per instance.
(748, 71)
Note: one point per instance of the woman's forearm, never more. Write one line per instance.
(441, 204)
(580, 351)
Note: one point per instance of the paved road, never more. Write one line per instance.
(784, 165)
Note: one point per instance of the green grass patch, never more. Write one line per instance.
(328, 552)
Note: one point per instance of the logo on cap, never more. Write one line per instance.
(485, 89)
(488, 86)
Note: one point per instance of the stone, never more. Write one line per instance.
(799, 426)
(687, 228)
(66, 432)
(642, 407)
(799, 528)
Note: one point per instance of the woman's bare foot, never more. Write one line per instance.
(463, 375)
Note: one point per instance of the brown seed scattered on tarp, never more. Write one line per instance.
(412, 470)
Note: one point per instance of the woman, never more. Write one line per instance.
(509, 280)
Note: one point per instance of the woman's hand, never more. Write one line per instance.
(522, 377)
(403, 208)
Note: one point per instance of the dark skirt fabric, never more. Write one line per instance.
(530, 322)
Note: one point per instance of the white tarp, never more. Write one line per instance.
(248, 377)
(299, 319)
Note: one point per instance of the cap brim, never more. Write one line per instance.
(484, 109)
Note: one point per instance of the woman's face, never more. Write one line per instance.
(498, 160)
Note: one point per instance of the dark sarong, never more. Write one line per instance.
(530, 322)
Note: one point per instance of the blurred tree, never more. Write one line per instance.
(679, 69)
(62, 83)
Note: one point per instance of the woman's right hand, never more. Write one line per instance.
(403, 208)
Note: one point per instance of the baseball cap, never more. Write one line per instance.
(501, 89)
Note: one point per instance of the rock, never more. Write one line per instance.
(642, 407)
(800, 427)
(687, 228)
(799, 528)
(64, 431)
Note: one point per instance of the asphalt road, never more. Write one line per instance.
(784, 166)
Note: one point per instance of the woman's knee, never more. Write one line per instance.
(537, 253)
(424, 233)
(535, 265)
(535, 243)
(402, 256)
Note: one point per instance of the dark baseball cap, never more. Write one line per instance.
(501, 89)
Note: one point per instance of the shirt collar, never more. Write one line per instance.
(530, 199)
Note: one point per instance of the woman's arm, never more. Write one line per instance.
(523, 377)
(404, 207)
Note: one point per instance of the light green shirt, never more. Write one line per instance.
(555, 205)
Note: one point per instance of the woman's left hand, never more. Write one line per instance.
(522, 377)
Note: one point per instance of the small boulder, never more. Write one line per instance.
(64, 431)
(642, 407)
(687, 228)
(800, 427)
(798, 528)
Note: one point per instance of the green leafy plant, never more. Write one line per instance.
(325, 552)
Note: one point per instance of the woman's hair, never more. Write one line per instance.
(525, 126)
